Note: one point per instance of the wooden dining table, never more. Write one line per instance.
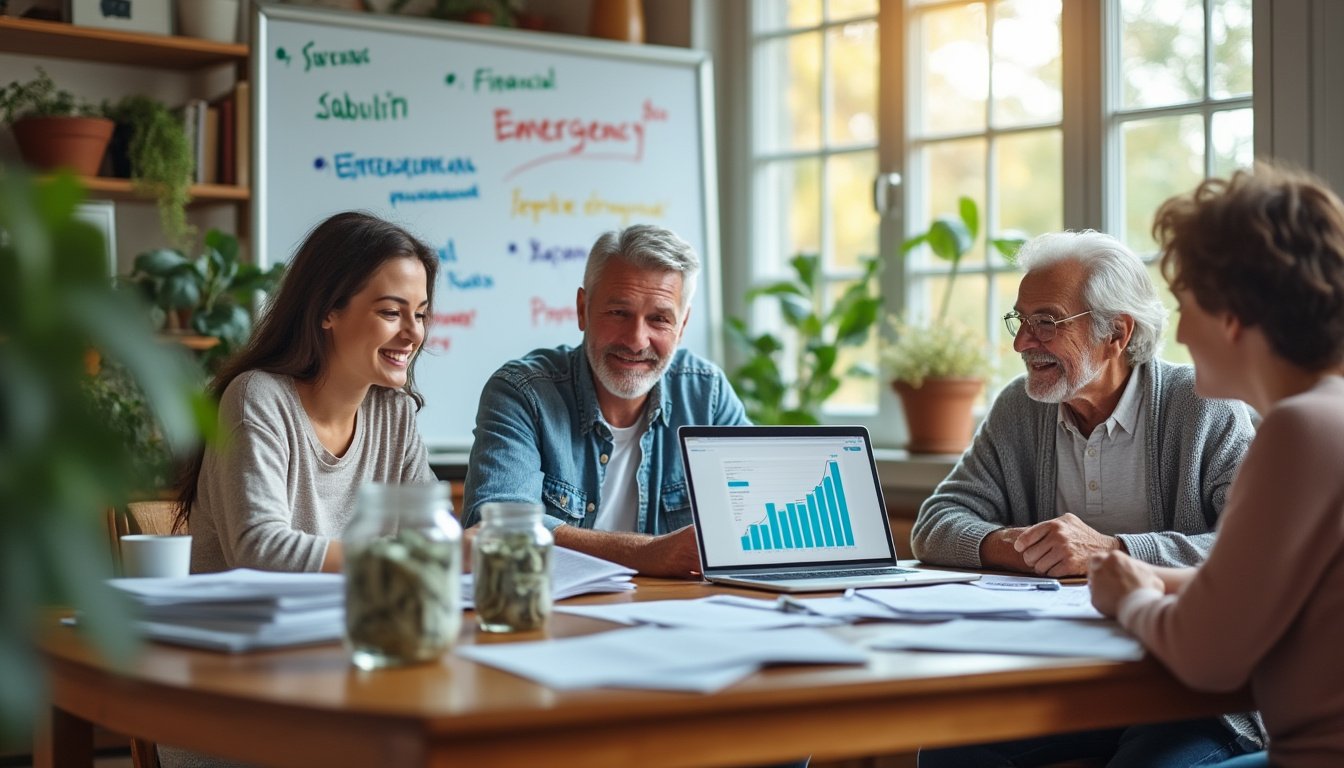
(308, 706)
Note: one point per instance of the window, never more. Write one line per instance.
(1146, 98)
(985, 120)
(1179, 110)
(814, 147)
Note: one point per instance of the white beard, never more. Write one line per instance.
(1065, 386)
(627, 385)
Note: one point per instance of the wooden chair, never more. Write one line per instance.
(153, 517)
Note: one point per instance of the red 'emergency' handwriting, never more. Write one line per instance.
(583, 138)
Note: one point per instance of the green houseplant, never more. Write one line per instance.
(772, 395)
(209, 294)
(52, 127)
(938, 368)
(150, 147)
(61, 465)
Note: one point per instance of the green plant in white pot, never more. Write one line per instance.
(938, 368)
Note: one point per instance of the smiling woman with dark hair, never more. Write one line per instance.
(1257, 265)
(321, 401)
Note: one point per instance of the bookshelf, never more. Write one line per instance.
(67, 41)
(61, 40)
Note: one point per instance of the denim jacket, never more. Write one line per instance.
(540, 436)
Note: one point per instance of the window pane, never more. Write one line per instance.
(857, 394)
(1231, 48)
(1161, 157)
(1007, 363)
(1171, 350)
(790, 89)
(1162, 52)
(853, 83)
(772, 15)
(951, 169)
(850, 9)
(1031, 182)
(968, 305)
(849, 199)
(1027, 62)
(955, 69)
(1233, 141)
(790, 200)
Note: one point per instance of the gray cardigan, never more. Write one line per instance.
(1007, 477)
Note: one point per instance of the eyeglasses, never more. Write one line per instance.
(1042, 326)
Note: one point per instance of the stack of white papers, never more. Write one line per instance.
(240, 610)
(572, 573)
(663, 659)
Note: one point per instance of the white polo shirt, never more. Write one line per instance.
(1102, 478)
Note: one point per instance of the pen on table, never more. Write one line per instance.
(789, 604)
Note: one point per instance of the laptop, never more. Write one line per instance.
(793, 509)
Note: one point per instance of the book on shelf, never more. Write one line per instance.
(242, 133)
(207, 169)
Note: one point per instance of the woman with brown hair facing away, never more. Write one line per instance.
(1257, 265)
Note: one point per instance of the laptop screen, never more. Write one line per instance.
(773, 496)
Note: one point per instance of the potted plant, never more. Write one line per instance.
(819, 334)
(938, 368)
(53, 128)
(60, 465)
(150, 147)
(209, 294)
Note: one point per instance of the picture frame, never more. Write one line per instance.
(102, 214)
(152, 16)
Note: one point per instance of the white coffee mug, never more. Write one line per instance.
(146, 555)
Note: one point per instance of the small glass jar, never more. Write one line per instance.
(511, 563)
(403, 575)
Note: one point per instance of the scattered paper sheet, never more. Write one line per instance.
(705, 613)
(662, 659)
(951, 601)
(1040, 637)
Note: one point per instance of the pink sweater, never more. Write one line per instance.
(1268, 604)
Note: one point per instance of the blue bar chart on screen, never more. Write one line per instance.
(817, 519)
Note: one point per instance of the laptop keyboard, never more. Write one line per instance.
(831, 574)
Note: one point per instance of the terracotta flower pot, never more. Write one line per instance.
(617, 20)
(78, 143)
(938, 414)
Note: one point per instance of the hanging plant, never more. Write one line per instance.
(161, 160)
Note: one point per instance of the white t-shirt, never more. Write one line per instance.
(620, 492)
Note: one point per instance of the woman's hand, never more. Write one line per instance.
(1112, 575)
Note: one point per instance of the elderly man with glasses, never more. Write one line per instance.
(1100, 446)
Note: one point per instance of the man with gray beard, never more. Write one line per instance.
(1100, 446)
(590, 432)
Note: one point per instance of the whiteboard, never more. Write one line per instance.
(507, 151)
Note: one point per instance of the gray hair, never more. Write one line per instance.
(646, 246)
(1117, 283)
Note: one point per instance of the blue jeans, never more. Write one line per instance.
(1190, 743)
